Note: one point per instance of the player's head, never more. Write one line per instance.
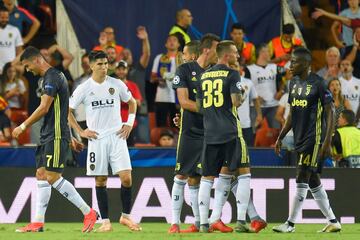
(32, 59)
(227, 52)
(207, 47)
(184, 17)
(172, 42)
(237, 32)
(262, 52)
(191, 51)
(300, 61)
(166, 138)
(111, 54)
(347, 117)
(4, 17)
(288, 31)
(121, 70)
(98, 62)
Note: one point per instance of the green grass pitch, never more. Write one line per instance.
(158, 231)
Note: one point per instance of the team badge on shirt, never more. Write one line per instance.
(17, 15)
(356, 87)
(308, 89)
(299, 91)
(10, 35)
(111, 91)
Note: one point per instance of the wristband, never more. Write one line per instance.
(23, 126)
(131, 119)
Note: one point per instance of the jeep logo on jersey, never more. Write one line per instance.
(102, 103)
(111, 91)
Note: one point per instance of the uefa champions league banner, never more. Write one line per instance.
(261, 19)
(272, 191)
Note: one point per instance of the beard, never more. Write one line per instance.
(3, 24)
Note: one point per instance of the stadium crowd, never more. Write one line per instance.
(266, 68)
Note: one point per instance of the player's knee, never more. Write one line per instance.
(40, 174)
(126, 180)
(193, 181)
(314, 181)
(100, 181)
(181, 177)
(52, 178)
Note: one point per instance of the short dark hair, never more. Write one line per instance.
(193, 47)
(237, 26)
(166, 132)
(349, 116)
(30, 52)
(94, 55)
(85, 55)
(260, 47)
(304, 52)
(207, 40)
(288, 28)
(224, 47)
(3, 9)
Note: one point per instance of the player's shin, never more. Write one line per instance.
(204, 200)
(102, 198)
(68, 190)
(243, 196)
(322, 200)
(194, 201)
(125, 194)
(222, 190)
(42, 200)
(301, 192)
(177, 199)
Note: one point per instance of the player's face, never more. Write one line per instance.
(335, 87)
(346, 67)
(187, 56)
(4, 19)
(233, 55)
(121, 72)
(111, 53)
(298, 65)
(172, 43)
(100, 66)
(237, 35)
(212, 56)
(31, 65)
(332, 58)
(166, 141)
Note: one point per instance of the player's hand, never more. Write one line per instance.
(87, 133)
(325, 152)
(317, 13)
(176, 119)
(278, 147)
(16, 132)
(76, 145)
(141, 32)
(125, 131)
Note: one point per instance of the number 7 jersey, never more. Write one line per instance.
(221, 122)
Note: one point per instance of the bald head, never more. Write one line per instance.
(184, 17)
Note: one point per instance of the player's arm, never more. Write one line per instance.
(185, 102)
(127, 127)
(39, 112)
(87, 133)
(285, 129)
(237, 99)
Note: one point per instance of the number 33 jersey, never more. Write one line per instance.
(221, 123)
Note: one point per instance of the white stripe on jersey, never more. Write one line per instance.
(102, 104)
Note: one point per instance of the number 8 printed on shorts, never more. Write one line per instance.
(92, 157)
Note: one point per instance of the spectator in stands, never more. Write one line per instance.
(162, 73)
(121, 73)
(246, 49)
(137, 74)
(350, 86)
(266, 77)
(340, 102)
(331, 69)
(346, 141)
(10, 39)
(281, 47)
(352, 53)
(60, 59)
(107, 38)
(166, 138)
(183, 22)
(347, 33)
(111, 55)
(5, 134)
(20, 17)
(79, 112)
(13, 87)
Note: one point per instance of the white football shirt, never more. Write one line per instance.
(284, 103)
(244, 109)
(264, 79)
(10, 38)
(102, 104)
(351, 91)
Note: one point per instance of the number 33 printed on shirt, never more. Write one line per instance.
(212, 93)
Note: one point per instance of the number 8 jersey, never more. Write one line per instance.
(221, 122)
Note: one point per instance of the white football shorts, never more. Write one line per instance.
(110, 150)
